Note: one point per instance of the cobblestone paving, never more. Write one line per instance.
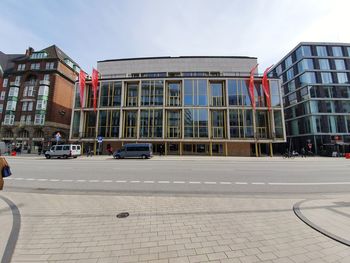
(84, 228)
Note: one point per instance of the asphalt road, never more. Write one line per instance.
(182, 175)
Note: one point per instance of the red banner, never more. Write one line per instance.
(82, 77)
(251, 86)
(94, 81)
(266, 87)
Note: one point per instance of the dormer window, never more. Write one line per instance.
(38, 55)
(69, 63)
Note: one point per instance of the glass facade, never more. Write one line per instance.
(317, 102)
(189, 115)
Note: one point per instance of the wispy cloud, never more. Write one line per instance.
(95, 30)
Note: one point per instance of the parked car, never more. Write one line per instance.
(64, 151)
(135, 150)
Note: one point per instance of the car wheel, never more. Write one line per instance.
(65, 156)
(144, 156)
(47, 156)
(116, 157)
(75, 157)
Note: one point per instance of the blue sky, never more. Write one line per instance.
(93, 30)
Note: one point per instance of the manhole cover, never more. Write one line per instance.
(123, 215)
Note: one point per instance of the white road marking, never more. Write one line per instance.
(241, 183)
(163, 182)
(178, 182)
(258, 183)
(67, 180)
(30, 179)
(18, 178)
(120, 181)
(225, 183)
(94, 181)
(80, 180)
(107, 181)
(326, 183)
(194, 182)
(148, 182)
(54, 180)
(42, 180)
(133, 182)
(209, 182)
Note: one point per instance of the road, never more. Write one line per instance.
(182, 175)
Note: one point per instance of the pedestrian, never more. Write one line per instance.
(303, 152)
(88, 151)
(3, 163)
(160, 149)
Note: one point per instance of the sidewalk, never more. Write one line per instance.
(84, 228)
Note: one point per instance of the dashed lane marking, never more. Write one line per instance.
(148, 182)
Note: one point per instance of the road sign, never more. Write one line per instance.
(99, 139)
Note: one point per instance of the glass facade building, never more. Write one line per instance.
(316, 96)
(181, 112)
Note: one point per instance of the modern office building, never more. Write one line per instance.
(36, 98)
(316, 96)
(182, 105)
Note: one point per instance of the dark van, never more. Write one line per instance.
(134, 150)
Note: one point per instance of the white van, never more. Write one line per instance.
(64, 151)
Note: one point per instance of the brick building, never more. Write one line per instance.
(36, 98)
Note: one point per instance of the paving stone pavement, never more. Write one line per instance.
(161, 228)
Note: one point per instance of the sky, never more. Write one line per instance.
(93, 30)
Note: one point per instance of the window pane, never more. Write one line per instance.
(324, 64)
(321, 51)
(337, 52)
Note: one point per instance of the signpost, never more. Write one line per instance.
(99, 140)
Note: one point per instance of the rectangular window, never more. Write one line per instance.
(11, 105)
(30, 91)
(278, 124)
(326, 77)
(241, 123)
(9, 119)
(41, 104)
(2, 95)
(47, 77)
(23, 119)
(262, 128)
(151, 123)
(196, 123)
(324, 64)
(108, 126)
(174, 93)
(321, 51)
(35, 66)
(173, 124)
(288, 62)
(1, 108)
(43, 91)
(39, 119)
(21, 67)
(111, 94)
(218, 126)
(303, 51)
(217, 94)
(195, 92)
(13, 92)
(132, 94)
(5, 82)
(152, 93)
(290, 74)
(130, 123)
(238, 93)
(337, 52)
(307, 78)
(24, 106)
(29, 120)
(50, 65)
(305, 64)
(30, 106)
(18, 80)
(274, 93)
(339, 64)
(342, 78)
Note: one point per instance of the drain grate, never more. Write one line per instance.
(123, 215)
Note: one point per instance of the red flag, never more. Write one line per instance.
(251, 86)
(82, 77)
(94, 81)
(266, 87)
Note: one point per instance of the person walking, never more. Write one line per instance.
(3, 163)
(303, 152)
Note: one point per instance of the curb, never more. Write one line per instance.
(16, 225)
(299, 214)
